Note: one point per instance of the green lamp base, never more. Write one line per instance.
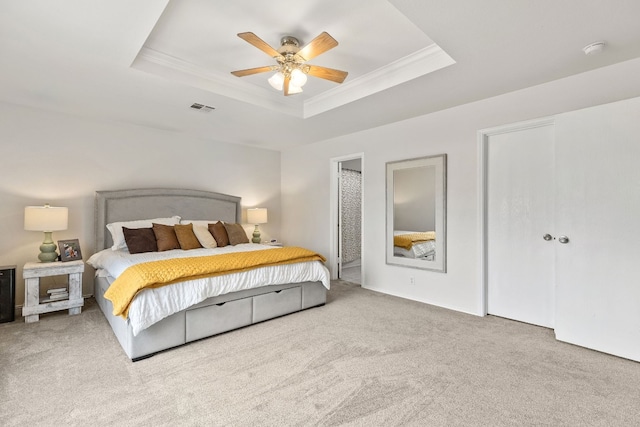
(256, 235)
(48, 249)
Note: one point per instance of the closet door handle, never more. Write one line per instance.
(563, 239)
(547, 237)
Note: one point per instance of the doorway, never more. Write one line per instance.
(347, 218)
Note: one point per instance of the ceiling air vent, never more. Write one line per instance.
(201, 107)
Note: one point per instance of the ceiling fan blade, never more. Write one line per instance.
(327, 73)
(250, 71)
(287, 80)
(315, 47)
(260, 44)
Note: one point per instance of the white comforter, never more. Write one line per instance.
(153, 305)
(418, 250)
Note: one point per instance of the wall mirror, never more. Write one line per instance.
(416, 213)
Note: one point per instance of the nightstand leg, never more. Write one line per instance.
(32, 298)
(75, 291)
(32, 319)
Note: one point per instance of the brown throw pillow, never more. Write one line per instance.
(140, 240)
(165, 237)
(236, 234)
(219, 233)
(186, 237)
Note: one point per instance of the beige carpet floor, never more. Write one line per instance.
(364, 359)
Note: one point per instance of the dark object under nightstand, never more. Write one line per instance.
(7, 293)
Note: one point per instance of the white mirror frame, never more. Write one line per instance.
(440, 262)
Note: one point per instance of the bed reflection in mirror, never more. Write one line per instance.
(416, 213)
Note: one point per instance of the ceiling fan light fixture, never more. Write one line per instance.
(298, 78)
(292, 70)
(293, 89)
(277, 80)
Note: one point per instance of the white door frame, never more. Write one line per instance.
(483, 193)
(334, 192)
(340, 225)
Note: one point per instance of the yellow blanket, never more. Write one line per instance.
(407, 240)
(160, 273)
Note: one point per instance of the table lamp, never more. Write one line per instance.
(256, 216)
(48, 219)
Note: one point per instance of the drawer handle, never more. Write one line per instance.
(221, 304)
(277, 292)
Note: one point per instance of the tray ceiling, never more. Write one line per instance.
(144, 63)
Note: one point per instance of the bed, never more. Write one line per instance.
(413, 244)
(236, 300)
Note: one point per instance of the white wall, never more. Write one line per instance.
(306, 183)
(49, 157)
(63, 160)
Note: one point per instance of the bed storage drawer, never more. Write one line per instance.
(217, 318)
(278, 303)
(313, 294)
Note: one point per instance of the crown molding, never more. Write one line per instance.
(172, 68)
(424, 61)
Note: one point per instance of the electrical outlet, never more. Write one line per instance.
(412, 281)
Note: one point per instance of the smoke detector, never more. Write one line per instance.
(593, 48)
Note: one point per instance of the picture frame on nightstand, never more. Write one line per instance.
(69, 250)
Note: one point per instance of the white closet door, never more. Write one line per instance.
(598, 270)
(520, 210)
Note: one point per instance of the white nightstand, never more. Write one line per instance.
(33, 271)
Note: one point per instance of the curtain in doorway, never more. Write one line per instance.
(351, 214)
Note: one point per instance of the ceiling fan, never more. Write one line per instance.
(292, 68)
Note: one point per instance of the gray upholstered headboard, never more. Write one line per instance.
(126, 205)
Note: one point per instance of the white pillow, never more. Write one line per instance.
(201, 230)
(204, 236)
(117, 235)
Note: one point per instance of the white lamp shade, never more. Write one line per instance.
(298, 78)
(45, 218)
(257, 216)
(276, 81)
(294, 89)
